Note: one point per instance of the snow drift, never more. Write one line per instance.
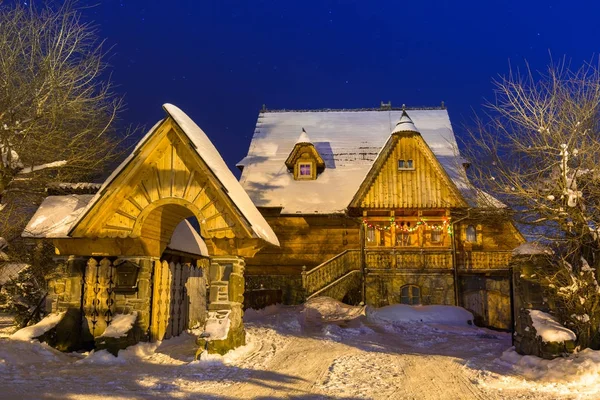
(402, 313)
(37, 330)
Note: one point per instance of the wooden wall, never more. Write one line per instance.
(305, 240)
(491, 236)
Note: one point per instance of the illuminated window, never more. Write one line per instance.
(403, 237)
(436, 236)
(405, 164)
(471, 234)
(410, 294)
(371, 234)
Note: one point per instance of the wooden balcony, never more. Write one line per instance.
(408, 259)
(483, 260)
(435, 259)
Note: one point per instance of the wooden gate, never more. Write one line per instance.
(489, 307)
(171, 298)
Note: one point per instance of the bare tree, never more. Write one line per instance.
(57, 107)
(538, 150)
(57, 115)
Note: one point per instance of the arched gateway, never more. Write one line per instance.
(113, 249)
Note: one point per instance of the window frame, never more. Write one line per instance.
(471, 229)
(438, 234)
(413, 292)
(310, 170)
(405, 164)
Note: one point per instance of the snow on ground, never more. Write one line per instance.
(402, 313)
(290, 354)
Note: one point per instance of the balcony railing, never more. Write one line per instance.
(435, 259)
(478, 260)
(408, 259)
(332, 269)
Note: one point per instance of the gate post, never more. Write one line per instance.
(224, 329)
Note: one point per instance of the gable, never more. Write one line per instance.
(418, 181)
(167, 173)
(305, 151)
(174, 173)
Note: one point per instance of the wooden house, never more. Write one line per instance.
(375, 205)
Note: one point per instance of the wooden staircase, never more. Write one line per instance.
(335, 277)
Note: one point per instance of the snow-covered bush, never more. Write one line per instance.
(20, 296)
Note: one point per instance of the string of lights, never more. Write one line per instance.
(406, 228)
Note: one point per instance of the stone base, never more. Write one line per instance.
(236, 335)
(235, 338)
(528, 343)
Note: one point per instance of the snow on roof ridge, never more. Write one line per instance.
(303, 137)
(284, 110)
(405, 124)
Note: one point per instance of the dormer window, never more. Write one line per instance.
(405, 165)
(304, 161)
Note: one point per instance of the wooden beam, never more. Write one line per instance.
(189, 182)
(146, 193)
(126, 215)
(210, 203)
(221, 229)
(172, 169)
(158, 185)
(135, 203)
(217, 215)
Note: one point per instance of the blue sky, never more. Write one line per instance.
(221, 60)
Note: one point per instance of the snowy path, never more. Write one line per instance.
(289, 355)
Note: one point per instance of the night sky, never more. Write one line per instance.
(221, 60)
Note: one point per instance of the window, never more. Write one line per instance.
(471, 234)
(405, 164)
(436, 236)
(403, 235)
(410, 294)
(370, 234)
(304, 170)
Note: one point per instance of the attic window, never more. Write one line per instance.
(304, 170)
(405, 165)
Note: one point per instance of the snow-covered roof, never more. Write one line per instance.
(186, 239)
(210, 155)
(531, 249)
(349, 142)
(56, 216)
